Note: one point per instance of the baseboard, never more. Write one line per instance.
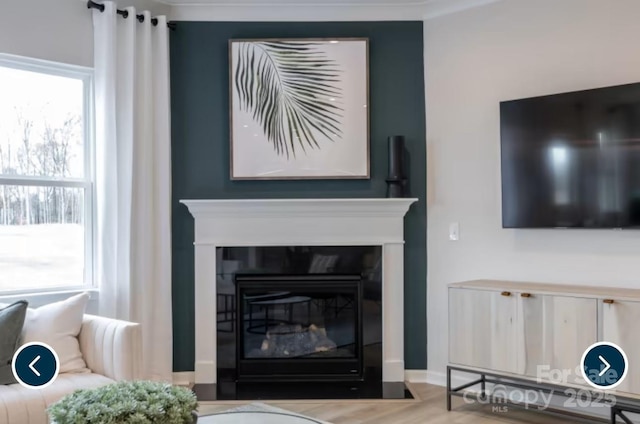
(436, 378)
(439, 378)
(184, 378)
(415, 376)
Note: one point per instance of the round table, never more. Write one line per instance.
(257, 417)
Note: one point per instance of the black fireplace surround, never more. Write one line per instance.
(288, 316)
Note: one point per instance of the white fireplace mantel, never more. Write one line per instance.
(299, 222)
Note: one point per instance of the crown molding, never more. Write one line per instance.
(307, 12)
(436, 8)
(321, 11)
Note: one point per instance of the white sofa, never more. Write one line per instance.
(111, 350)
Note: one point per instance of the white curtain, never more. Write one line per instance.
(133, 178)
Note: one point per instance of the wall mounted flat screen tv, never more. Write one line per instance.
(572, 160)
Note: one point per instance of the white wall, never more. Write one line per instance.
(475, 59)
(57, 30)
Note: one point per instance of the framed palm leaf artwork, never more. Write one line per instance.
(299, 108)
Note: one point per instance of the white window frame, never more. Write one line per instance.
(45, 295)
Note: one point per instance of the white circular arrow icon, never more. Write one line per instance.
(604, 365)
(32, 355)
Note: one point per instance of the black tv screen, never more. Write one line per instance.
(572, 160)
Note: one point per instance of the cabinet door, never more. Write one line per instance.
(620, 321)
(482, 330)
(556, 330)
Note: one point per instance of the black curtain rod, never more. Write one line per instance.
(125, 14)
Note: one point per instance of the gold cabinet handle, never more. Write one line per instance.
(608, 301)
(525, 295)
(506, 293)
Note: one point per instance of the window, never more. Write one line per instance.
(46, 176)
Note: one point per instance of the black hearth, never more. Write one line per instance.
(344, 287)
(299, 327)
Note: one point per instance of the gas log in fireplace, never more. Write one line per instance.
(299, 327)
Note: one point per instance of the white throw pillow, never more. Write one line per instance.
(58, 325)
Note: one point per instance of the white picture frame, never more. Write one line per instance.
(299, 108)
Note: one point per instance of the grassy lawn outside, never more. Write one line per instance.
(41, 256)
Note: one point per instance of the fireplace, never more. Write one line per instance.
(299, 313)
(222, 224)
(299, 327)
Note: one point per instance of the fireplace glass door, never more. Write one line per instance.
(299, 326)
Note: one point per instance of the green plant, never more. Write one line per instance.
(292, 90)
(137, 402)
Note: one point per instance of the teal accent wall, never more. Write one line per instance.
(200, 149)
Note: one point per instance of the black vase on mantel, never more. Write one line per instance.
(397, 180)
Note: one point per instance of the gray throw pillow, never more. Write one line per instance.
(11, 322)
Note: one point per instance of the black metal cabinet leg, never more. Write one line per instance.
(623, 417)
(448, 389)
(483, 387)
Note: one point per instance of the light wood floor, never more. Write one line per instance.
(430, 407)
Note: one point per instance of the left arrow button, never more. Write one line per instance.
(35, 365)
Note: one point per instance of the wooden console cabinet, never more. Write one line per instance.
(534, 329)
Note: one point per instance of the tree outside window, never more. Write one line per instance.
(46, 176)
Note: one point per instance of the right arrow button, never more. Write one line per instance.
(604, 365)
